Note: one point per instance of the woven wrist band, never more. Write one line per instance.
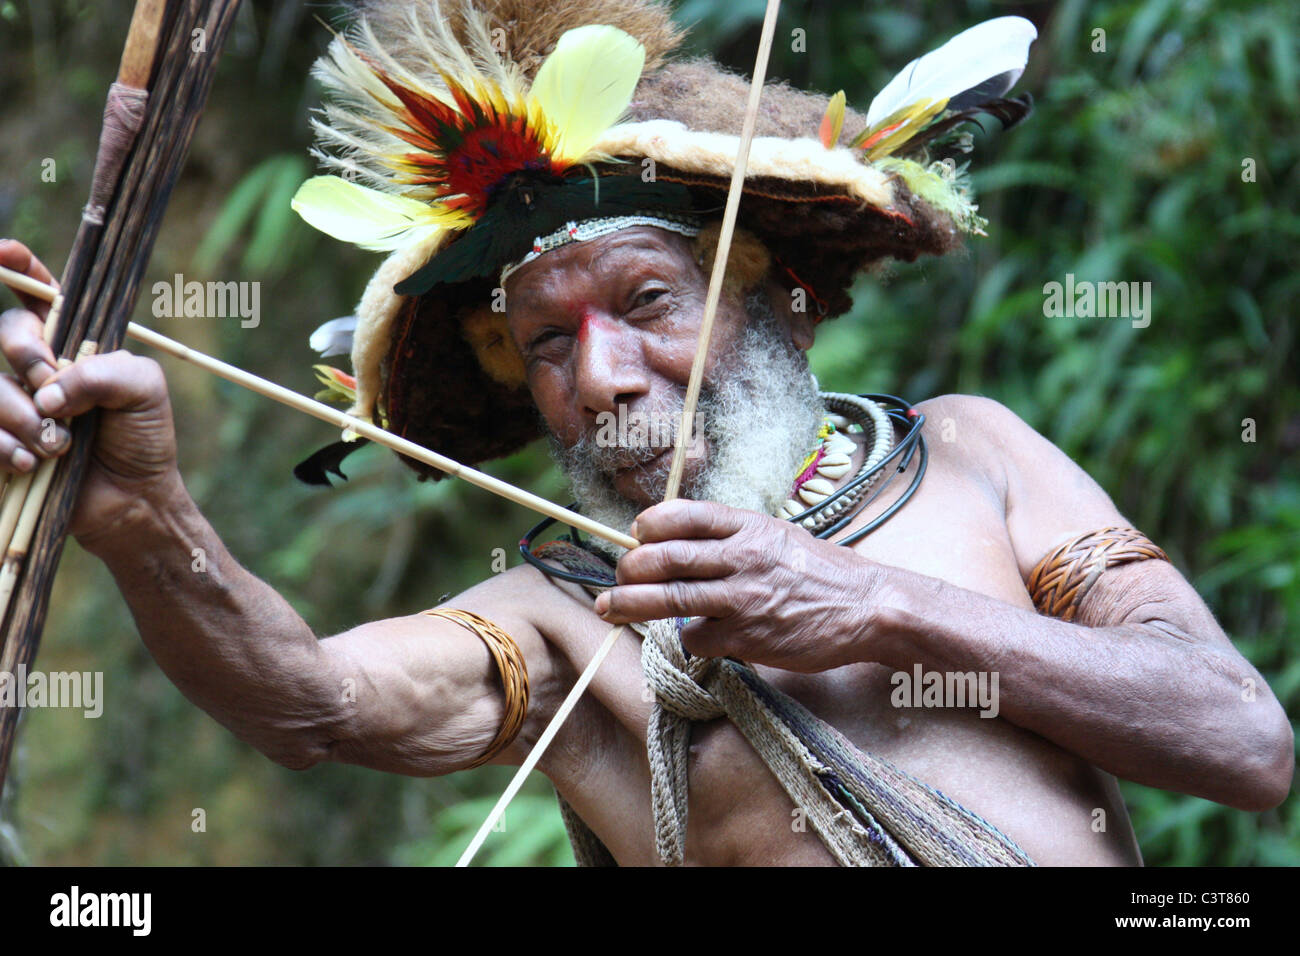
(512, 668)
(1059, 582)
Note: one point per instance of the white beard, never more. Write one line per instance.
(760, 422)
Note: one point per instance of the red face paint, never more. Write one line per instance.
(587, 320)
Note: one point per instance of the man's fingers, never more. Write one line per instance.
(650, 602)
(22, 428)
(705, 638)
(677, 558)
(683, 518)
(117, 380)
(23, 343)
(14, 255)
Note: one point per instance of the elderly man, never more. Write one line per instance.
(1139, 682)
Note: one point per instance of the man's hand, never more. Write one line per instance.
(765, 590)
(135, 447)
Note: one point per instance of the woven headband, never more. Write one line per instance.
(688, 226)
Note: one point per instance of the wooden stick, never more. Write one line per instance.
(106, 264)
(25, 283)
(29, 510)
(27, 500)
(25, 494)
(343, 420)
(539, 748)
(723, 250)
(15, 497)
(378, 435)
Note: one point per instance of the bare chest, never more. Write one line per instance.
(953, 530)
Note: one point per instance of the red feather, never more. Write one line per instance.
(463, 151)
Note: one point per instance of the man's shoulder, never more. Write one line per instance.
(1048, 498)
(977, 412)
(974, 435)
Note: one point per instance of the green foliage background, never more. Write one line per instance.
(1131, 169)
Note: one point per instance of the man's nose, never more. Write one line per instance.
(609, 366)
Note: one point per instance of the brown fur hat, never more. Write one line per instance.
(528, 29)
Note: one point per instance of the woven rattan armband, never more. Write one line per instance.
(1059, 582)
(510, 664)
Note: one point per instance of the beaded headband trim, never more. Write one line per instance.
(688, 226)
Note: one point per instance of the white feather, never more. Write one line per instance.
(334, 337)
(997, 48)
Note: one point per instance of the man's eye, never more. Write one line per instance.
(544, 337)
(647, 297)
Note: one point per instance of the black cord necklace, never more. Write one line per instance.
(898, 412)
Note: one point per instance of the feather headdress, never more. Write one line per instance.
(456, 141)
(931, 97)
(482, 150)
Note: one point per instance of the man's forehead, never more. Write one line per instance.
(593, 255)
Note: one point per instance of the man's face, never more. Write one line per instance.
(607, 329)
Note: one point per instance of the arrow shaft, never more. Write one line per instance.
(341, 419)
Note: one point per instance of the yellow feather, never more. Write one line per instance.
(833, 121)
(366, 217)
(335, 389)
(585, 85)
(897, 128)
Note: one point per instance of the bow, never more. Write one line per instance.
(160, 23)
(166, 70)
(153, 109)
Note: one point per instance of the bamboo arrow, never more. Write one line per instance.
(166, 70)
(341, 419)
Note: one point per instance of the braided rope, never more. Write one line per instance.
(865, 811)
(899, 820)
(680, 698)
(510, 665)
(1062, 579)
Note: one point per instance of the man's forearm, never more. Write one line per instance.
(1136, 700)
(230, 642)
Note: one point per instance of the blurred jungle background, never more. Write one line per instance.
(1167, 153)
